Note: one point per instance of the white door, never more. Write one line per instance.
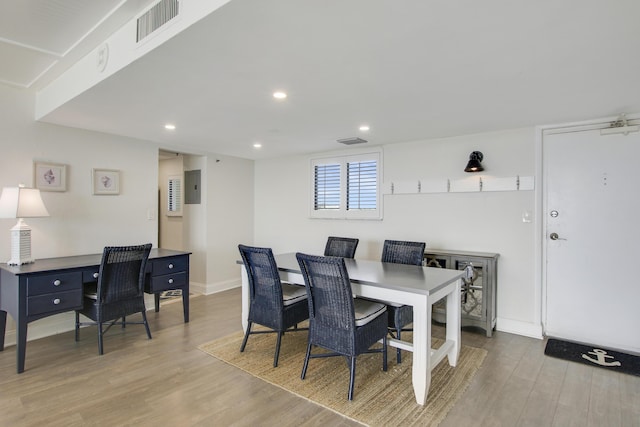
(592, 204)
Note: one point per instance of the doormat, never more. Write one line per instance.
(594, 356)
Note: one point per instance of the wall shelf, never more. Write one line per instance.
(466, 185)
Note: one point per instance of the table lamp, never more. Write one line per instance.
(21, 202)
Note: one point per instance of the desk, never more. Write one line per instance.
(412, 285)
(55, 285)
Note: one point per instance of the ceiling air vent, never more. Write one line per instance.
(352, 141)
(154, 18)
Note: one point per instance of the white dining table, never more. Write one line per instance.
(419, 287)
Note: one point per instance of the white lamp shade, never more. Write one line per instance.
(21, 202)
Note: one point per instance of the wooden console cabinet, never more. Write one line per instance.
(478, 292)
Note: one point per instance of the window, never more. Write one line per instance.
(326, 186)
(346, 187)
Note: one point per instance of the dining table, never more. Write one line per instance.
(417, 286)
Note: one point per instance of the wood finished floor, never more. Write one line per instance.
(167, 381)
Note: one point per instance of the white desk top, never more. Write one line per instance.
(407, 278)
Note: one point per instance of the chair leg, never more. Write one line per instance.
(398, 354)
(100, 349)
(306, 361)
(246, 336)
(384, 353)
(77, 326)
(146, 324)
(277, 355)
(352, 377)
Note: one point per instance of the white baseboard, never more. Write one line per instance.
(212, 288)
(518, 327)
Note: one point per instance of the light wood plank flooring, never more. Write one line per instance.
(167, 381)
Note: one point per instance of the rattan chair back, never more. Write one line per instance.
(122, 273)
(331, 310)
(403, 252)
(341, 246)
(119, 291)
(266, 304)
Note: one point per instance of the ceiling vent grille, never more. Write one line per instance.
(161, 13)
(352, 141)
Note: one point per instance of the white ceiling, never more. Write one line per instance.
(412, 69)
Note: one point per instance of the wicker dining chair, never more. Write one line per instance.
(401, 252)
(344, 325)
(341, 246)
(119, 291)
(276, 305)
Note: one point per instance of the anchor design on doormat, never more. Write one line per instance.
(601, 357)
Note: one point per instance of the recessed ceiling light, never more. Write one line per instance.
(257, 145)
(279, 95)
(364, 128)
(169, 126)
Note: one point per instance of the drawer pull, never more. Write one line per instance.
(56, 301)
(170, 281)
(57, 282)
(95, 275)
(170, 266)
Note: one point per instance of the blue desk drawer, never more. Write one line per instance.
(167, 282)
(170, 265)
(56, 282)
(90, 275)
(54, 302)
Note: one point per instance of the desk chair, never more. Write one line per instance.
(119, 291)
(344, 325)
(341, 246)
(276, 305)
(401, 252)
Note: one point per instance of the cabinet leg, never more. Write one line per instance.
(185, 303)
(3, 327)
(21, 344)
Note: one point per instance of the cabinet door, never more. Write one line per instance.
(474, 289)
(439, 261)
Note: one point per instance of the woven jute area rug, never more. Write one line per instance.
(380, 398)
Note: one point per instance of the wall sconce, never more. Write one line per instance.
(20, 202)
(474, 162)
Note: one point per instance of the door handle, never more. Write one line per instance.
(554, 236)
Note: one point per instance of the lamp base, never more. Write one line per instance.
(20, 244)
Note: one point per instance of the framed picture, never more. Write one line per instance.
(106, 181)
(50, 176)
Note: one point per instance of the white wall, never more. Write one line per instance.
(230, 216)
(195, 226)
(485, 222)
(80, 222)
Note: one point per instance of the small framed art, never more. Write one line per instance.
(106, 181)
(50, 176)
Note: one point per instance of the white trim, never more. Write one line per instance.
(213, 288)
(527, 329)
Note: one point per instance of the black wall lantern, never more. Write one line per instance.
(474, 162)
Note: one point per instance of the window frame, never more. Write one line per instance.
(343, 160)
